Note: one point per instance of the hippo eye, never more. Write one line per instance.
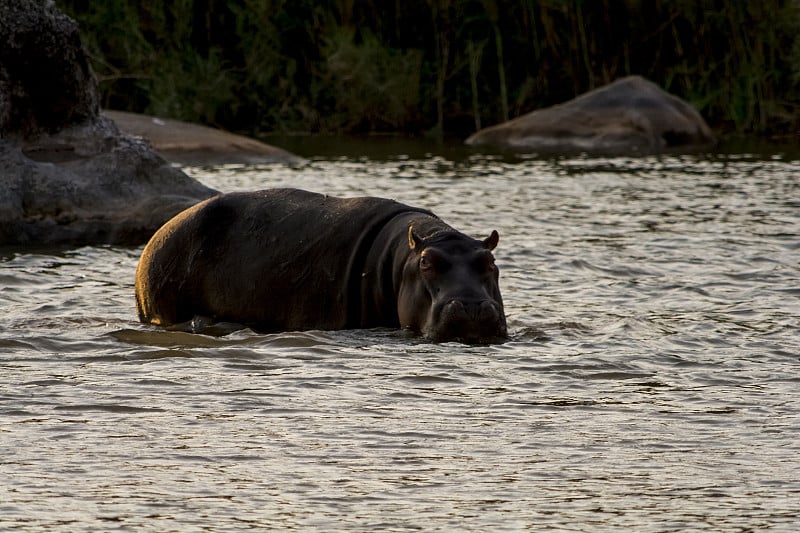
(431, 261)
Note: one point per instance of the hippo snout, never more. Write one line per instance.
(475, 312)
(481, 321)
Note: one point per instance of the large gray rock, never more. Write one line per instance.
(629, 116)
(193, 144)
(68, 175)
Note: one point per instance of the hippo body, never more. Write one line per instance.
(286, 259)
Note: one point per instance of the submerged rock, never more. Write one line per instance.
(67, 174)
(630, 116)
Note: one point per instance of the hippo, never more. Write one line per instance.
(289, 260)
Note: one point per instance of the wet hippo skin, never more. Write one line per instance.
(286, 259)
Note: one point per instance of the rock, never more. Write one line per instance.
(69, 176)
(629, 116)
(46, 82)
(89, 184)
(192, 144)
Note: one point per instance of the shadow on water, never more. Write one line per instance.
(390, 147)
(377, 147)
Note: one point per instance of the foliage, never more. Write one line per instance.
(373, 87)
(441, 65)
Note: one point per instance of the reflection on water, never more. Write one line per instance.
(651, 381)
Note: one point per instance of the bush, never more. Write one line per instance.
(344, 66)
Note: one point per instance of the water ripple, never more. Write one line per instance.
(650, 381)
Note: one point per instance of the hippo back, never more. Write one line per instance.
(280, 259)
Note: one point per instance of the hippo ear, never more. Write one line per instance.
(414, 240)
(490, 243)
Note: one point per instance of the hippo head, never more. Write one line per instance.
(449, 289)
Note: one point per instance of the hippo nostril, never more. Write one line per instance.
(487, 312)
(475, 312)
(456, 309)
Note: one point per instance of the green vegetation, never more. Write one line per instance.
(438, 66)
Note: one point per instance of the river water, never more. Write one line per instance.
(651, 382)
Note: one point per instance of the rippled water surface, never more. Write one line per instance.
(652, 381)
